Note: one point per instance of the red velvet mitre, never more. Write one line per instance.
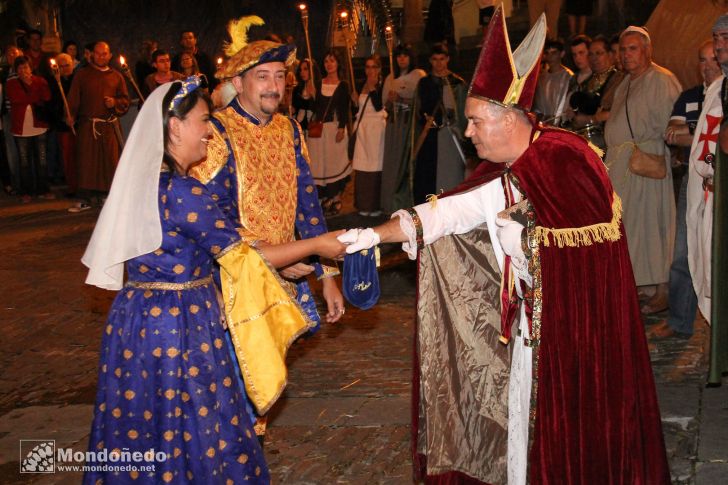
(504, 77)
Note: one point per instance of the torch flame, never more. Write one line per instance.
(53, 62)
(344, 14)
(302, 6)
(122, 61)
(219, 61)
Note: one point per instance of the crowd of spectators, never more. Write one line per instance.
(61, 123)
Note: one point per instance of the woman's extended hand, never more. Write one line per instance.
(339, 135)
(328, 246)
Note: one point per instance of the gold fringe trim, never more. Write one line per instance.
(596, 149)
(584, 236)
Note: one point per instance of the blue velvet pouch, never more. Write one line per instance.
(361, 280)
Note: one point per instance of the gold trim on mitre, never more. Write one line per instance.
(522, 61)
(525, 58)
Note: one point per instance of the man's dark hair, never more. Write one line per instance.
(554, 44)
(614, 39)
(439, 48)
(69, 43)
(603, 39)
(158, 53)
(580, 39)
(19, 61)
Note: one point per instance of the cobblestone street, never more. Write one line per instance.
(345, 415)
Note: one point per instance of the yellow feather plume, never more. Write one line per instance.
(238, 30)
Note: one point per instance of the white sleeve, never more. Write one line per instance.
(456, 214)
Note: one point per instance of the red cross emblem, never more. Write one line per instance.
(710, 134)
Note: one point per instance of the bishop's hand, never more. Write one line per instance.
(358, 239)
(509, 235)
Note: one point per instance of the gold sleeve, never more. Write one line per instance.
(264, 320)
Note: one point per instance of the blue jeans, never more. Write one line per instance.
(682, 300)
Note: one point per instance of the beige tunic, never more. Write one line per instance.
(648, 204)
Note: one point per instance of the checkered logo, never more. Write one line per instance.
(37, 456)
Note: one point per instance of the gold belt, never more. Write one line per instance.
(165, 285)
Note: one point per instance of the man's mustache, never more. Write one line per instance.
(273, 95)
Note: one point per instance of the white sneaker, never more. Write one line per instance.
(80, 207)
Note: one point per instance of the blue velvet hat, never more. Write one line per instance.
(361, 280)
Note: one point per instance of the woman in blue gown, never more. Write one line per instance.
(169, 408)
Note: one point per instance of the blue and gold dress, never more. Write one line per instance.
(166, 378)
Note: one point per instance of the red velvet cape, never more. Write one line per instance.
(597, 419)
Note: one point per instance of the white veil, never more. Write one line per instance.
(129, 223)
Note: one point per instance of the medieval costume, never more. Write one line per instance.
(166, 377)
(398, 140)
(99, 139)
(581, 405)
(370, 124)
(638, 118)
(699, 217)
(597, 95)
(329, 160)
(440, 119)
(258, 174)
(719, 266)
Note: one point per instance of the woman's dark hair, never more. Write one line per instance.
(195, 69)
(313, 71)
(339, 64)
(406, 50)
(19, 61)
(378, 62)
(180, 110)
(70, 43)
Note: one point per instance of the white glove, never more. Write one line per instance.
(358, 239)
(509, 235)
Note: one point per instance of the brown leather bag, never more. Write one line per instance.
(647, 164)
(642, 163)
(315, 129)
